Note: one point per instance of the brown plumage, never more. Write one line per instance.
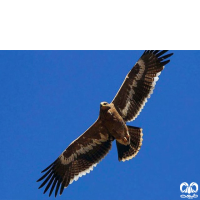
(87, 150)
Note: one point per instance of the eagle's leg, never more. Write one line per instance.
(123, 138)
(126, 139)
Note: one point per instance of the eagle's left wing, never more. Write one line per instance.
(139, 84)
(78, 159)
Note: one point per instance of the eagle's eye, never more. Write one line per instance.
(105, 104)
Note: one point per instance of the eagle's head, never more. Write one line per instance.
(104, 106)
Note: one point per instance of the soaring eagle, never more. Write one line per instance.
(87, 150)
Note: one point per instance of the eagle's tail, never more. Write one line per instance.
(127, 152)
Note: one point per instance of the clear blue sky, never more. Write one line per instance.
(49, 98)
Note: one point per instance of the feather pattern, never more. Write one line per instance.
(77, 160)
(139, 84)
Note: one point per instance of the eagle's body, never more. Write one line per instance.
(87, 150)
(114, 123)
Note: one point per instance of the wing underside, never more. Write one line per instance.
(77, 160)
(139, 84)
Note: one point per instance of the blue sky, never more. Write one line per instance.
(49, 98)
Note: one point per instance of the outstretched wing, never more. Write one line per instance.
(139, 84)
(78, 159)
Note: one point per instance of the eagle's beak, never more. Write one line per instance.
(103, 104)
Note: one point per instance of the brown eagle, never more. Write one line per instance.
(86, 151)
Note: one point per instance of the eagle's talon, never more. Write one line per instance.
(125, 140)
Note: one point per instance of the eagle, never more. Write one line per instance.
(84, 153)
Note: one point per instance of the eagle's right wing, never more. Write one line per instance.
(78, 159)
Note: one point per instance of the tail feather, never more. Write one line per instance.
(127, 152)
